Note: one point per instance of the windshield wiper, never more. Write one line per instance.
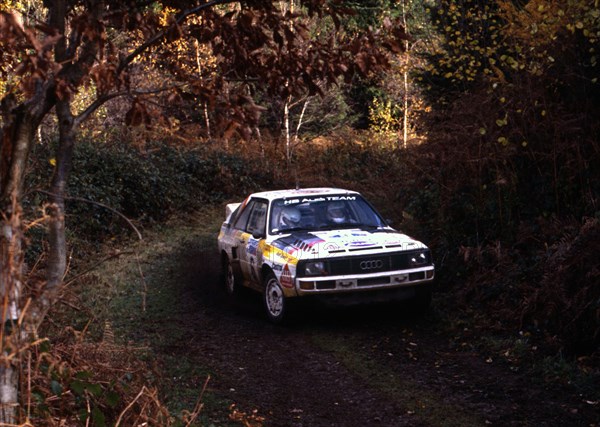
(339, 226)
(369, 226)
(293, 230)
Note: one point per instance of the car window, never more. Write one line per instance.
(242, 219)
(322, 213)
(253, 217)
(258, 218)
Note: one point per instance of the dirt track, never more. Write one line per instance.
(359, 367)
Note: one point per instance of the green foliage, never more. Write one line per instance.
(501, 41)
(89, 396)
(469, 43)
(367, 13)
(145, 186)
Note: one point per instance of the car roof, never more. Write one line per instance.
(301, 192)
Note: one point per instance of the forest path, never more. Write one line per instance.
(362, 366)
(349, 367)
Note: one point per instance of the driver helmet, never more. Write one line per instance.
(290, 217)
(336, 212)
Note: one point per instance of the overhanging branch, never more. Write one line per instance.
(102, 205)
(161, 34)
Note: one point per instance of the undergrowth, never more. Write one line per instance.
(107, 367)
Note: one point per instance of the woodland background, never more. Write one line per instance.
(471, 124)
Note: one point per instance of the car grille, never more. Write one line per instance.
(373, 263)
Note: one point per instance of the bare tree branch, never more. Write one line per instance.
(102, 205)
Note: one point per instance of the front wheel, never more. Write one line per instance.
(276, 304)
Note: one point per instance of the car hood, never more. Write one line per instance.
(331, 243)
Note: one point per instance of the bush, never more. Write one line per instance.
(145, 186)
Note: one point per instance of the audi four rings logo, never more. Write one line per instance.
(371, 265)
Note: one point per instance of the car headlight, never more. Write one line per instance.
(316, 268)
(419, 259)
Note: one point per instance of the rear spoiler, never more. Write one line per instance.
(229, 210)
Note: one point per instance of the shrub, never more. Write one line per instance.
(145, 186)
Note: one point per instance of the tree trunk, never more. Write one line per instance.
(405, 113)
(405, 78)
(286, 124)
(57, 251)
(11, 262)
(17, 139)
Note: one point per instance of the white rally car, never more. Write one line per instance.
(327, 243)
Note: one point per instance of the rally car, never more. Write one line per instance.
(326, 243)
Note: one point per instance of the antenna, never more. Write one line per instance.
(296, 176)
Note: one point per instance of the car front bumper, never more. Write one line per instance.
(364, 282)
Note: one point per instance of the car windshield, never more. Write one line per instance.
(318, 213)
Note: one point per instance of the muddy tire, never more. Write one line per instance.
(275, 302)
(229, 283)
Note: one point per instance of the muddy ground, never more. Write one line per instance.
(366, 366)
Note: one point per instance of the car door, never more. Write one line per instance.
(251, 230)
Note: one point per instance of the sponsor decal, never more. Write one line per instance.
(361, 243)
(276, 255)
(307, 244)
(331, 247)
(297, 243)
(354, 238)
(317, 199)
(286, 278)
(360, 239)
(252, 247)
(284, 245)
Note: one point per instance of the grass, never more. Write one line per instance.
(136, 294)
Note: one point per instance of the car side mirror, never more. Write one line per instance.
(258, 235)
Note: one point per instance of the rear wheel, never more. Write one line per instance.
(231, 286)
(276, 304)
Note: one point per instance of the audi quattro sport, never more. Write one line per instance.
(326, 243)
